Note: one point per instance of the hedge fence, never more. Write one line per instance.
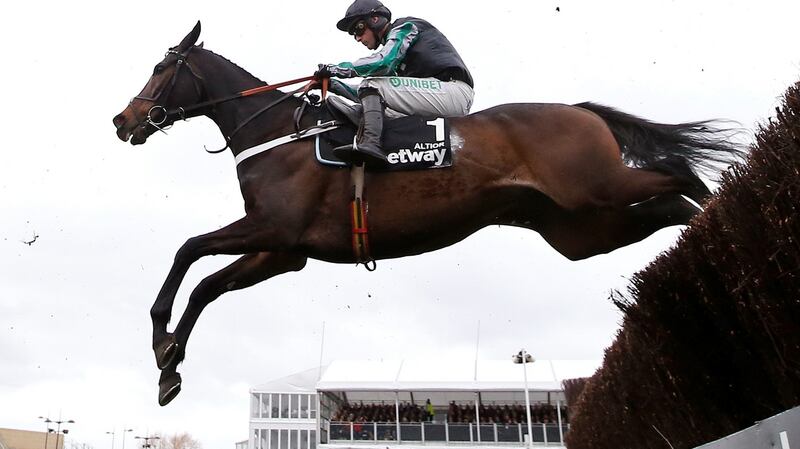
(710, 338)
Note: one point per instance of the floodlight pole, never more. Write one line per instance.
(124, 431)
(47, 430)
(523, 358)
(112, 433)
(60, 432)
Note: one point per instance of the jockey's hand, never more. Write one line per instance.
(323, 71)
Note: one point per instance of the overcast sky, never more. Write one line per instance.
(74, 322)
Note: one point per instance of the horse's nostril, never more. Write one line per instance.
(119, 120)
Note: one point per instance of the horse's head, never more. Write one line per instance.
(174, 83)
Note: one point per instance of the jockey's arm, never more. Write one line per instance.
(383, 62)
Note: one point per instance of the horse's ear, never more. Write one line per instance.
(200, 45)
(190, 38)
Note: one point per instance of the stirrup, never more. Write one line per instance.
(347, 153)
(373, 157)
(354, 155)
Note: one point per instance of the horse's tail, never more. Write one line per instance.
(647, 144)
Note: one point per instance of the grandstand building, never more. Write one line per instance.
(28, 439)
(387, 404)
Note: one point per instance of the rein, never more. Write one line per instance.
(182, 111)
(257, 90)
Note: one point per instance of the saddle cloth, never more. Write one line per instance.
(410, 143)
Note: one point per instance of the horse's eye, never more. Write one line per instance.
(158, 69)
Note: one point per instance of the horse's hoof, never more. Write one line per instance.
(169, 388)
(166, 352)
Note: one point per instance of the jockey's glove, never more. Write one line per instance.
(333, 70)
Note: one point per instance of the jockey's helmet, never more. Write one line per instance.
(363, 9)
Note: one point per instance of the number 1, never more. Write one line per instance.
(439, 124)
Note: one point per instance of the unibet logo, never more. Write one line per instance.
(418, 83)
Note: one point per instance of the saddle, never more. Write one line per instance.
(410, 142)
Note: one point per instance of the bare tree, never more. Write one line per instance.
(78, 445)
(178, 441)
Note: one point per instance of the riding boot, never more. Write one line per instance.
(367, 147)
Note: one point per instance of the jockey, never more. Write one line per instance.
(417, 72)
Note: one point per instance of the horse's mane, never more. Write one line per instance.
(200, 47)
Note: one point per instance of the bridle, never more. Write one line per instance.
(185, 112)
(181, 61)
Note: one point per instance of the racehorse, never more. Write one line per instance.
(588, 178)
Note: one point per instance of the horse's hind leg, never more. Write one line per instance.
(625, 186)
(692, 186)
(582, 234)
(245, 272)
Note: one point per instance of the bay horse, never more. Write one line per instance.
(588, 178)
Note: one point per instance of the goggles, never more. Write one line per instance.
(358, 29)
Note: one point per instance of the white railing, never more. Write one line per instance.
(446, 433)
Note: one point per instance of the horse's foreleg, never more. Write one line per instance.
(236, 238)
(583, 234)
(245, 272)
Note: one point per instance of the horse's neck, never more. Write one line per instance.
(223, 78)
